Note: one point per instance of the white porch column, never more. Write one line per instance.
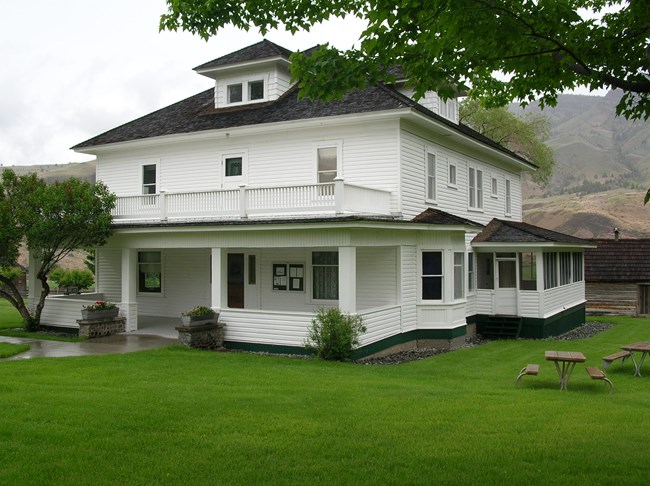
(129, 304)
(33, 284)
(218, 286)
(348, 279)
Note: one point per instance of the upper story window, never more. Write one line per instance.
(475, 188)
(327, 164)
(495, 187)
(233, 166)
(452, 175)
(248, 91)
(431, 177)
(508, 198)
(149, 179)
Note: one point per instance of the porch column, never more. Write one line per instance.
(129, 304)
(348, 279)
(33, 284)
(217, 287)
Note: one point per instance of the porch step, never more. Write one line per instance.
(500, 327)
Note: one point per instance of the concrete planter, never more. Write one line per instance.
(91, 315)
(193, 321)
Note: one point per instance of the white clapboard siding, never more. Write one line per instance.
(108, 268)
(266, 327)
(440, 316)
(284, 300)
(376, 277)
(453, 198)
(186, 284)
(65, 310)
(380, 324)
(529, 304)
(485, 301)
(471, 308)
(562, 298)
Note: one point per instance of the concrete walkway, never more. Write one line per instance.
(116, 344)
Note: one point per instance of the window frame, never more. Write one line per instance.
(459, 274)
(528, 267)
(338, 145)
(508, 198)
(471, 273)
(312, 267)
(475, 189)
(161, 290)
(229, 100)
(232, 180)
(430, 184)
(494, 187)
(437, 276)
(452, 180)
(156, 184)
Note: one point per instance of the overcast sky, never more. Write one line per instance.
(71, 69)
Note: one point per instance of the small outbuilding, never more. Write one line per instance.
(617, 276)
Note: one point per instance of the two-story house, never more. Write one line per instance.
(265, 206)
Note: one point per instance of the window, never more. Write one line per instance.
(234, 93)
(495, 187)
(508, 198)
(149, 179)
(577, 267)
(431, 275)
(565, 268)
(431, 177)
(256, 90)
(325, 272)
(470, 272)
(527, 271)
(459, 272)
(485, 271)
(327, 164)
(550, 270)
(233, 166)
(452, 175)
(475, 188)
(252, 270)
(149, 272)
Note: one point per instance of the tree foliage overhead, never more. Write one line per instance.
(543, 47)
(51, 220)
(525, 136)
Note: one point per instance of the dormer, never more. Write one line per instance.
(255, 74)
(447, 109)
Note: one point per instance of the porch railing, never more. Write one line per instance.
(336, 198)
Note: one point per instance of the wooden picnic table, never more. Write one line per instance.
(565, 362)
(642, 347)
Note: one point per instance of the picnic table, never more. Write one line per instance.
(564, 362)
(643, 348)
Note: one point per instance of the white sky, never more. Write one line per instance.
(72, 69)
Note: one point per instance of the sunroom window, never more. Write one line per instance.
(432, 275)
(325, 273)
(150, 272)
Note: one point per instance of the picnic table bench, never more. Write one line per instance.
(530, 369)
(607, 360)
(598, 374)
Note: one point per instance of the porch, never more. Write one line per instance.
(336, 197)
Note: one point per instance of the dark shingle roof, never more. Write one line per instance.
(261, 50)
(435, 216)
(622, 260)
(499, 231)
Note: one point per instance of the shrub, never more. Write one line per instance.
(199, 311)
(79, 279)
(333, 335)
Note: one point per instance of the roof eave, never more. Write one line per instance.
(216, 71)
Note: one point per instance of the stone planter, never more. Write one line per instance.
(91, 315)
(193, 321)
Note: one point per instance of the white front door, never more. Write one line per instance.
(506, 284)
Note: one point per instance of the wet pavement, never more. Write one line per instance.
(116, 344)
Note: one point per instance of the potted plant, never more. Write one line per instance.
(99, 310)
(198, 316)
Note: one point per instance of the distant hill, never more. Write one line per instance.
(58, 172)
(602, 170)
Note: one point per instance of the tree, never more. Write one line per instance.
(504, 50)
(523, 135)
(51, 220)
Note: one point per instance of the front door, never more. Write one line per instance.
(236, 280)
(506, 280)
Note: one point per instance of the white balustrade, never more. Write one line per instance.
(336, 197)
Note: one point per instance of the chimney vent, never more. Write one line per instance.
(616, 234)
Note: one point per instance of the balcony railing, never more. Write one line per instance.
(331, 198)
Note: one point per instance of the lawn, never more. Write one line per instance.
(10, 319)
(9, 316)
(175, 416)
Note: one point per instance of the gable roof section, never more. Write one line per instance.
(262, 50)
(500, 231)
(435, 216)
(622, 260)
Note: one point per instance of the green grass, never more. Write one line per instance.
(175, 416)
(10, 320)
(9, 316)
(7, 350)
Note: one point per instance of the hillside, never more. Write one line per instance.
(58, 172)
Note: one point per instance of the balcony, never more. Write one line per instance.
(336, 198)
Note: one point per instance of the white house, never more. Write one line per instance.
(265, 206)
